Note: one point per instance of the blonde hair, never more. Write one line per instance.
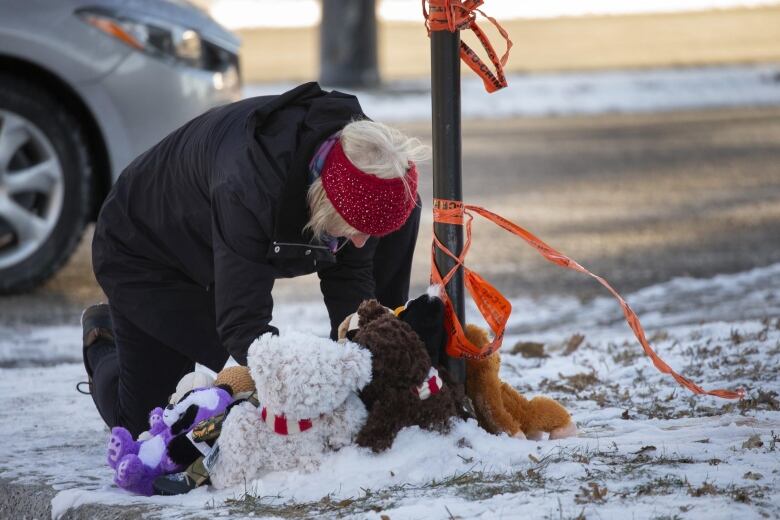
(373, 148)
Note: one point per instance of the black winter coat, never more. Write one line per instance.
(218, 208)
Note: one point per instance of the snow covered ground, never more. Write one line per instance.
(622, 91)
(237, 14)
(647, 448)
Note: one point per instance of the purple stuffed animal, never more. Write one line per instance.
(138, 463)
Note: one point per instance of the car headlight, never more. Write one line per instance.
(163, 40)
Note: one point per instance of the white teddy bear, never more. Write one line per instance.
(307, 389)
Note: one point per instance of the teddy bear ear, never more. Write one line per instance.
(356, 365)
(434, 291)
(262, 350)
(432, 296)
(370, 310)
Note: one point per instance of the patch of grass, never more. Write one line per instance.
(705, 489)
(608, 395)
(753, 442)
(744, 363)
(625, 354)
(760, 401)
(529, 349)
(742, 494)
(572, 344)
(591, 494)
(573, 384)
(607, 464)
(664, 485)
(273, 506)
(471, 484)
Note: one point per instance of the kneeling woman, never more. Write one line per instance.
(195, 231)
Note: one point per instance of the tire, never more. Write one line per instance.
(41, 220)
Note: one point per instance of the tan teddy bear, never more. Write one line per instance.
(500, 408)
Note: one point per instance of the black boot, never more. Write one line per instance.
(178, 483)
(95, 325)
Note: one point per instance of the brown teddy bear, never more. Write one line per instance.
(405, 389)
(500, 408)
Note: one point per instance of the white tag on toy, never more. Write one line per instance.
(211, 459)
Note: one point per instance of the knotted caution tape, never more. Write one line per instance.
(495, 309)
(455, 15)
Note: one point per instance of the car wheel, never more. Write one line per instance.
(44, 181)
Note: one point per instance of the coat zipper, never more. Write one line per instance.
(308, 246)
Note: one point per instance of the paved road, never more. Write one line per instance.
(638, 199)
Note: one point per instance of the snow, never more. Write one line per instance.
(647, 448)
(622, 91)
(238, 14)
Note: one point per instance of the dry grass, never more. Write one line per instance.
(658, 475)
(472, 484)
(593, 42)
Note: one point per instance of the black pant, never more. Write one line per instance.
(140, 369)
(133, 374)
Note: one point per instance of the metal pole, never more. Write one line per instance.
(445, 95)
(348, 44)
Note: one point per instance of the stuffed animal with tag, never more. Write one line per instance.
(136, 463)
(305, 405)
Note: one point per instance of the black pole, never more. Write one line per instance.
(445, 95)
(348, 43)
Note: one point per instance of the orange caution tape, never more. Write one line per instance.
(496, 309)
(454, 15)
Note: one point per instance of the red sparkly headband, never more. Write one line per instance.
(367, 203)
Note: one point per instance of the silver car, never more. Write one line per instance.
(85, 86)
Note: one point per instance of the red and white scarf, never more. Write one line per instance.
(432, 385)
(283, 426)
